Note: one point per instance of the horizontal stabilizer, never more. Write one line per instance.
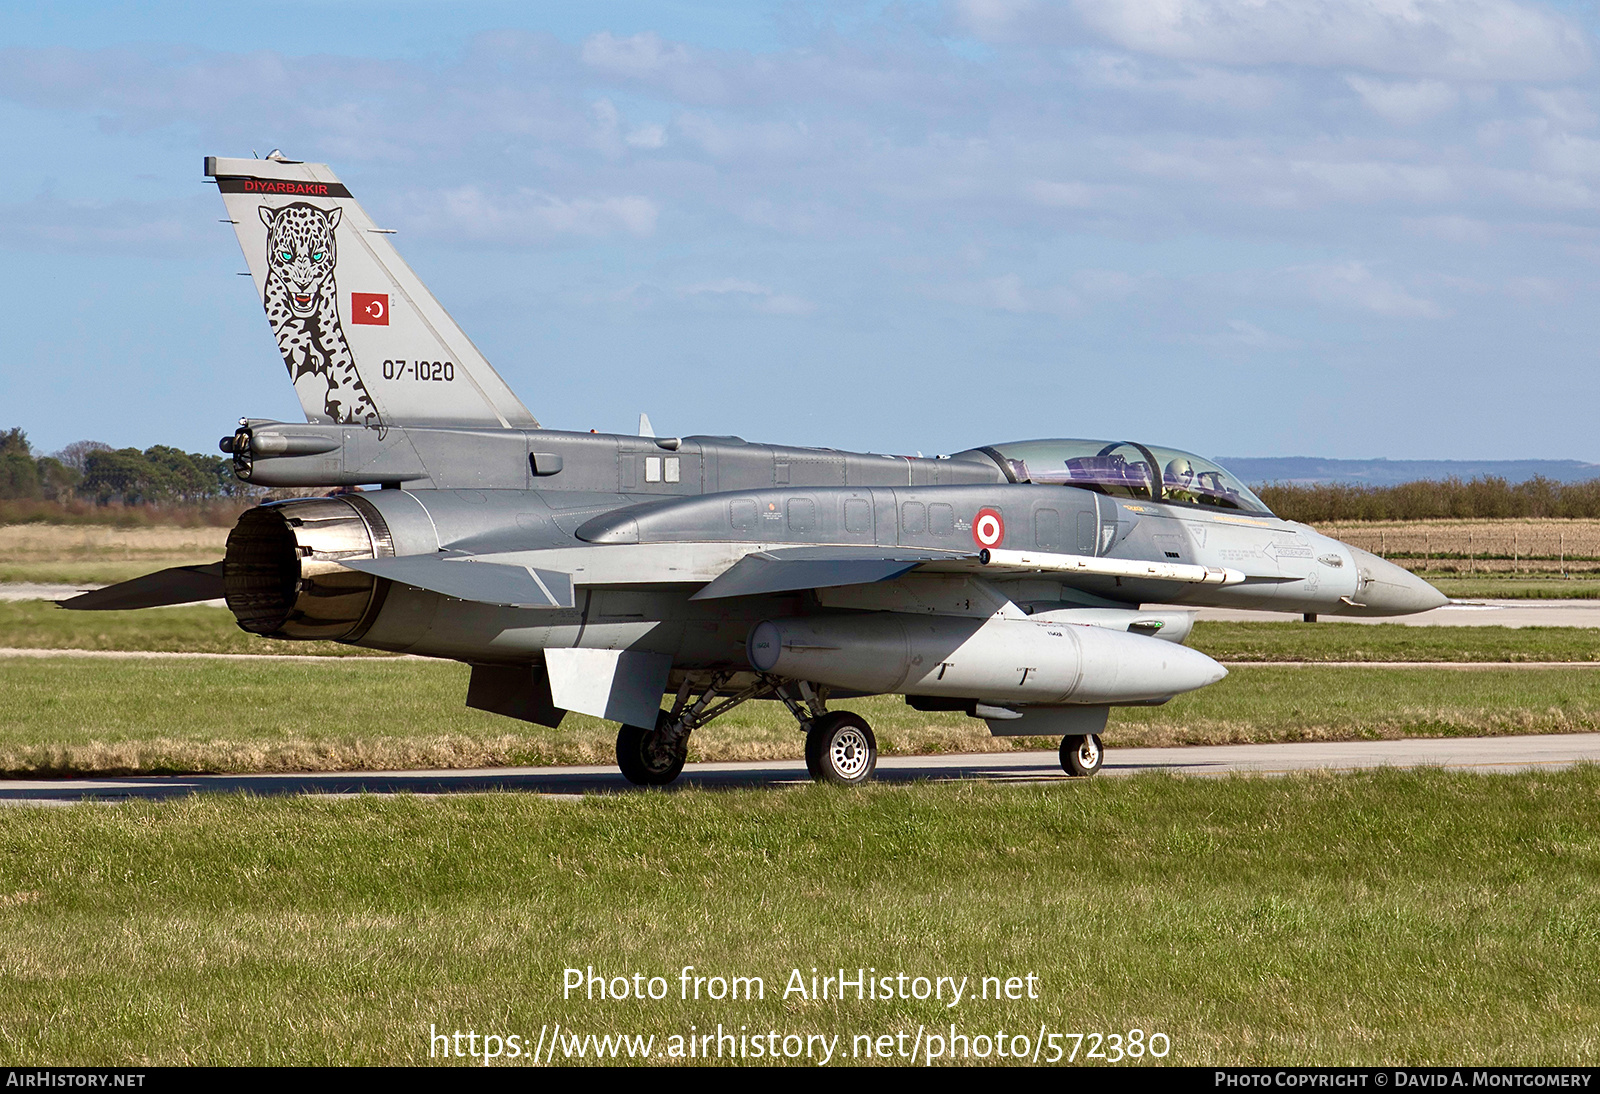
(789, 569)
(179, 585)
(469, 579)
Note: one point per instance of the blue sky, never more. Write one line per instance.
(1243, 227)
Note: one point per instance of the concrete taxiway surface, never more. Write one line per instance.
(1483, 754)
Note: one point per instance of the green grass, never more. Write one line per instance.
(38, 624)
(67, 715)
(1331, 641)
(1381, 918)
(87, 572)
(1551, 587)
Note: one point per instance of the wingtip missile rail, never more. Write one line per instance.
(1044, 562)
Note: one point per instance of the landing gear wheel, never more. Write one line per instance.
(1082, 756)
(841, 749)
(647, 757)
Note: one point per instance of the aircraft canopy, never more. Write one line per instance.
(1128, 469)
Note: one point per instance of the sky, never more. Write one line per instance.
(1241, 227)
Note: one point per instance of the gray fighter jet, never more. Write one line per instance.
(600, 573)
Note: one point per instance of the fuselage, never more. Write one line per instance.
(641, 524)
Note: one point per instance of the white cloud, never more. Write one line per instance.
(1573, 155)
(752, 294)
(1541, 290)
(1353, 285)
(1455, 39)
(1376, 180)
(647, 136)
(1200, 85)
(648, 59)
(1406, 102)
(638, 56)
(1063, 195)
(1079, 293)
(1244, 333)
(51, 224)
(526, 216)
(1451, 228)
(1570, 107)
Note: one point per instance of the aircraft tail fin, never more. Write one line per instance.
(364, 341)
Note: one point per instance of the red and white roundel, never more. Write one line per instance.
(988, 529)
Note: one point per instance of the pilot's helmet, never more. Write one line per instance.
(1180, 470)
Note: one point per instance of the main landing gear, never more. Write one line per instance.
(840, 747)
(652, 757)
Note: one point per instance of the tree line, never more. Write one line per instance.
(1474, 499)
(89, 471)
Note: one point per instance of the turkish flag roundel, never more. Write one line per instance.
(371, 308)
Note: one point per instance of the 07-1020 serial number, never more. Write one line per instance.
(419, 370)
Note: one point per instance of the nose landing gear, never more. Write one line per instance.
(1082, 756)
(841, 749)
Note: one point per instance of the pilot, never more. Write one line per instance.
(1178, 481)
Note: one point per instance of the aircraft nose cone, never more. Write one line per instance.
(1387, 589)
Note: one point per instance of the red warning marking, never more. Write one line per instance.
(371, 308)
(988, 529)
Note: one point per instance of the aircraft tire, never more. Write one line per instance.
(811, 755)
(1082, 756)
(841, 749)
(641, 759)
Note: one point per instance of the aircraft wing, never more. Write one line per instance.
(790, 568)
(466, 578)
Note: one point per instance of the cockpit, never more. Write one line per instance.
(1125, 469)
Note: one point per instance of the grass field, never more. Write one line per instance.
(1383, 918)
(1508, 587)
(1488, 559)
(1484, 541)
(76, 716)
(1326, 641)
(101, 554)
(40, 625)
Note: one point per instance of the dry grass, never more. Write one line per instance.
(1486, 541)
(63, 716)
(53, 541)
(96, 554)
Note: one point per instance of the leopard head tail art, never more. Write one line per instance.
(301, 253)
(302, 302)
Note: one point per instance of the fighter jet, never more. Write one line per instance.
(659, 582)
